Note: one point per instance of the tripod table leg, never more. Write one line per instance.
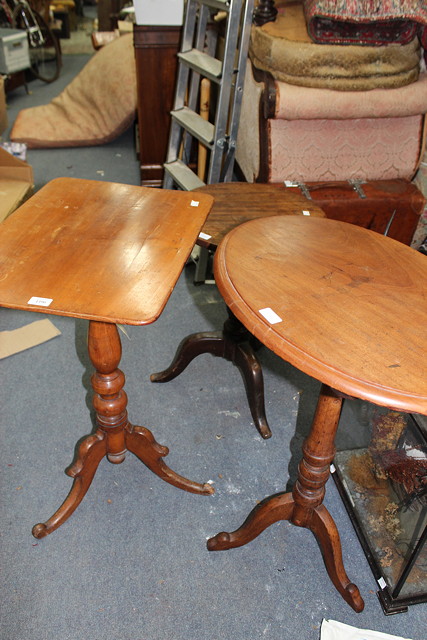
(114, 434)
(303, 507)
(90, 453)
(233, 343)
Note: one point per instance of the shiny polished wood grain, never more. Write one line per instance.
(99, 250)
(352, 310)
(353, 304)
(110, 253)
(238, 202)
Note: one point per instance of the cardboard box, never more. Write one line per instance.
(16, 183)
(14, 55)
(159, 12)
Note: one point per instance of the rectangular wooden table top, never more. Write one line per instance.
(98, 250)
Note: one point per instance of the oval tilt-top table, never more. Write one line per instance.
(109, 253)
(342, 304)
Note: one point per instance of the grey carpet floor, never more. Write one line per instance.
(131, 563)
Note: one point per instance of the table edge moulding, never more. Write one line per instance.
(348, 382)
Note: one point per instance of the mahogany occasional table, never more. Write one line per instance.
(108, 253)
(345, 305)
(235, 203)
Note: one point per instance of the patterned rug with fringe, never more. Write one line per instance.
(373, 22)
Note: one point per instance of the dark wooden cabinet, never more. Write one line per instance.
(156, 50)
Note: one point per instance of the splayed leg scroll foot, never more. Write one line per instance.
(141, 442)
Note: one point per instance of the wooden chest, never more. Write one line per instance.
(394, 206)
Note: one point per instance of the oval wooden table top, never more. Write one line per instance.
(343, 304)
(238, 202)
(98, 250)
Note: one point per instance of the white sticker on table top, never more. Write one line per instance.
(194, 203)
(40, 302)
(204, 236)
(270, 315)
(305, 212)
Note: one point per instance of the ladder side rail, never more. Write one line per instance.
(189, 25)
(175, 141)
(194, 81)
(238, 89)
(211, 48)
(168, 180)
(222, 108)
(199, 44)
(186, 45)
(175, 131)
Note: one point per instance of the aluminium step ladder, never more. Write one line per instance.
(200, 58)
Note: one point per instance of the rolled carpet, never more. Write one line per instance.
(97, 106)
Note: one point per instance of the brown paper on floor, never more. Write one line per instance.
(30, 335)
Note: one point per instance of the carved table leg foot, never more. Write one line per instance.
(234, 343)
(191, 347)
(245, 358)
(90, 453)
(140, 441)
(272, 509)
(326, 532)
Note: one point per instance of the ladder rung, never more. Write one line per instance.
(223, 5)
(195, 124)
(183, 175)
(202, 63)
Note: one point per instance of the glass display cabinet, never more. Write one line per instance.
(380, 469)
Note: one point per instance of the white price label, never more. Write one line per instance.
(40, 302)
(270, 315)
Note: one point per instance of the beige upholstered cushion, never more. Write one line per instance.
(322, 135)
(304, 103)
(285, 49)
(97, 106)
